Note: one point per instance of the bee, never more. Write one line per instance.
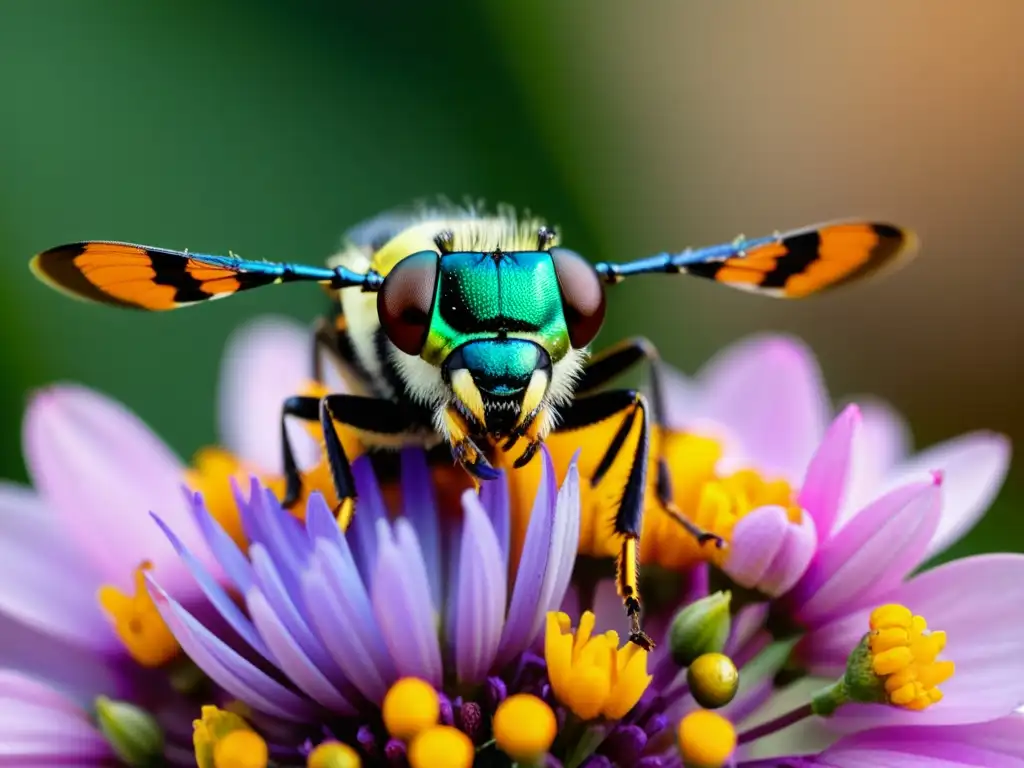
(473, 329)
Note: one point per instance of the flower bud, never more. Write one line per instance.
(132, 732)
(713, 680)
(701, 627)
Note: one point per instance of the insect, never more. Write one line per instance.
(473, 329)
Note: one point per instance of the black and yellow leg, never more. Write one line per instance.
(585, 412)
(364, 413)
(613, 362)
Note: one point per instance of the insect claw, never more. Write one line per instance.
(528, 454)
(642, 639)
(474, 462)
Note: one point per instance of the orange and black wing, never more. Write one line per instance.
(787, 265)
(156, 279)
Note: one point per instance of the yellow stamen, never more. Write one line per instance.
(334, 754)
(441, 747)
(222, 739)
(706, 739)
(410, 706)
(904, 653)
(590, 674)
(524, 727)
(138, 623)
(241, 749)
(466, 390)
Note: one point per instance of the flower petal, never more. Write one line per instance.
(265, 362)
(976, 602)
(420, 507)
(791, 561)
(564, 544)
(102, 471)
(825, 482)
(768, 391)
(756, 541)
(58, 601)
(996, 744)
(402, 605)
(869, 555)
(225, 667)
(973, 467)
(879, 444)
(480, 608)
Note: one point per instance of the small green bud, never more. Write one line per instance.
(701, 627)
(713, 680)
(131, 731)
(859, 683)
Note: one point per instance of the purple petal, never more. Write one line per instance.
(291, 659)
(756, 541)
(495, 499)
(58, 601)
(370, 509)
(225, 667)
(882, 440)
(265, 362)
(102, 471)
(39, 726)
(996, 744)
(791, 561)
(420, 508)
(236, 566)
(745, 625)
(825, 482)
(975, 601)
(564, 544)
(216, 594)
(268, 525)
(768, 391)
(402, 605)
(869, 555)
(321, 524)
(533, 564)
(973, 467)
(345, 622)
(480, 611)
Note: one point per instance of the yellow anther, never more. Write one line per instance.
(138, 623)
(706, 739)
(524, 727)
(904, 654)
(214, 727)
(334, 754)
(410, 706)
(590, 674)
(241, 749)
(441, 747)
(713, 680)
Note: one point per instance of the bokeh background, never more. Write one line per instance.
(267, 128)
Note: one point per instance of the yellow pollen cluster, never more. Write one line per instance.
(706, 739)
(222, 739)
(410, 706)
(524, 727)
(138, 622)
(904, 654)
(441, 746)
(590, 674)
(333, 754)
(713, 501)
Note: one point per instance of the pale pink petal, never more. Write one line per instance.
(102, 471)
(60, 601)
(756, 540)
(871, 554)
(792, 559)
(979, 603)
(996, 744)
(768, 391)
(825, 483)
(265, 362)
(879, 444)
(973, 468)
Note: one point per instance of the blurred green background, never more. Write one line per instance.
(267, 128)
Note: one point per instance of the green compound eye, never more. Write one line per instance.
(406, 299)
(582, 296)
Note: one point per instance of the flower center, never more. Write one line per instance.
(223, 739)
(441, 746)
(590, 674)
(714, 501)
(138, 623)
(904, 654)
(334, 754)
(524, 728)
(410, 706)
